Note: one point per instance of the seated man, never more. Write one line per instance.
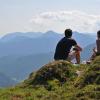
(64, 46)
(96, 51)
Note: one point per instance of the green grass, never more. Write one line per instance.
(84, 87)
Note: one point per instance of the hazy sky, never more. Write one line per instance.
(43, 15)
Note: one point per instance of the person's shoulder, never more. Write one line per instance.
(64, 38)
(72, 39)
(98, 40)
(61, 40)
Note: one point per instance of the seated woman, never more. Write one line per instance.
(96, 51)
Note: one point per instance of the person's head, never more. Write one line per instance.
(98, 34)
(68, 33)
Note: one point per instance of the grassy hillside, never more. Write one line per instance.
(58, 80)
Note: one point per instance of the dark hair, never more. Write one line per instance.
(98, 34)
(68, 33)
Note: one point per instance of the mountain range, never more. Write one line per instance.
(21, 53)
(88, 51)
(6, 81)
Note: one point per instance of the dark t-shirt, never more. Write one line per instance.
(63, 48)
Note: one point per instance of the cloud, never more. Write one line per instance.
(58, 21)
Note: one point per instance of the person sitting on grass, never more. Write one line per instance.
(64, 46)
(96, 51)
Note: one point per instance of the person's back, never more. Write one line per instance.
(98, 46)
(96, 51)
(63, 48)
(98, 42)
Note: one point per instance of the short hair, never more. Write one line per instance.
(98, 34)
(68, 33)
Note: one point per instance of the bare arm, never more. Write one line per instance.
(78, 47)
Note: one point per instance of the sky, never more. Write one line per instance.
(44, 15)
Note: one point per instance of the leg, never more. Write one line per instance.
(78, 57)
(74, 55)
(71, 56)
